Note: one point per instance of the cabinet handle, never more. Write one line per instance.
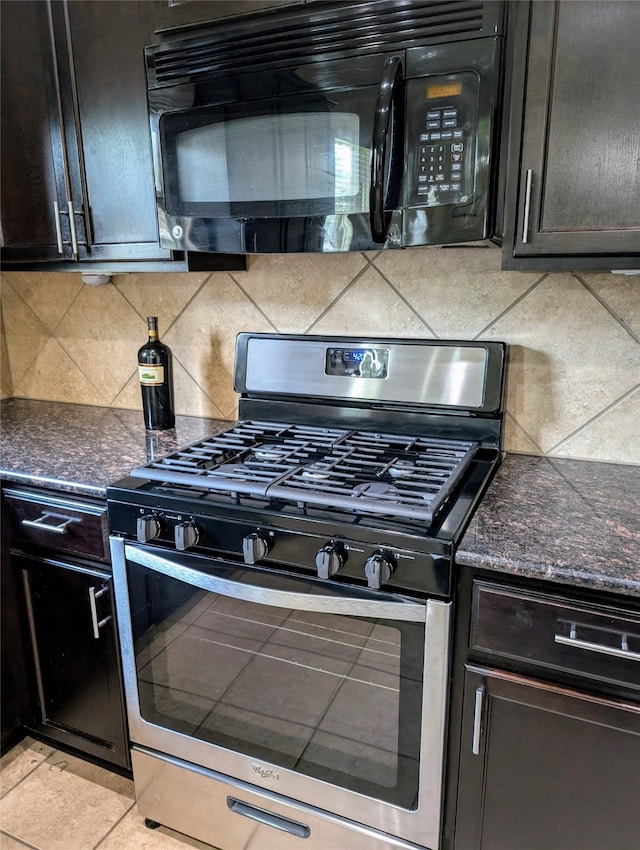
(56, 212)
(623, 652)
(58, 528)
(477, 721)
(527, 206)
(72, 225)
(94, 595)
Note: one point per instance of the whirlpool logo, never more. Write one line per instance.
(265, 772)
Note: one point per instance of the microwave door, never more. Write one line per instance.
(288, 174)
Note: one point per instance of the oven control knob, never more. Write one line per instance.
(148, 528)
(329, 560)
(254, 547)
(378, 569)
(187, 535)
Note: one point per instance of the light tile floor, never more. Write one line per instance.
(53, 801)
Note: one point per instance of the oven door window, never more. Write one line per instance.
(334, 697)
(294, 157)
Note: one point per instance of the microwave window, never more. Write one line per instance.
(301, 156)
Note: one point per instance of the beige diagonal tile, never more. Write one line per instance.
(66, 804)
(48, 294)
(6, 385)
(371, 307)
(53, 376)
(457, 291)
(129, 396)
(20, 761)
(569, 359)
(25, 335)
(614, 436)
(203, 337)
(621, 293)
(162, 295)
(8, 843)
(102, 333)
(293, 291)
(517, 440)
(190, 399)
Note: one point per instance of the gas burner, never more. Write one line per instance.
(268, 453)
(317, 471)
(374, 489)
(401, 468)
(237, 471)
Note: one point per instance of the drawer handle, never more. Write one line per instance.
(477, 721)
(41, 523)
(622, 652)
(96, 624)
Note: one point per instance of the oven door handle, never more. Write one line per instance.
(401, 610)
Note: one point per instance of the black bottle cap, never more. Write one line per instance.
(152, 323)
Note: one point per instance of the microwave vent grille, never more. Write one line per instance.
(309, 33)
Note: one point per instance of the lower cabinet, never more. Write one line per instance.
(545, 768)
(547, 720)
(55, 557)
(76, 680)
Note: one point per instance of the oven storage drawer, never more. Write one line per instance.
(596, 642)
(238, 815)
(58, 523)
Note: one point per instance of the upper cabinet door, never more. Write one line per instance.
(34, 197)
(77, 173)
(573, 181)
(108, 86)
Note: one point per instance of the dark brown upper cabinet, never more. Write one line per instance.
(573, 174)
(77, 176)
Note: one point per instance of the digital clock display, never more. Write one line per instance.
(438, 90)
(357, 362)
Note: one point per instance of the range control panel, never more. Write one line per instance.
(442, 126)
(375, 563)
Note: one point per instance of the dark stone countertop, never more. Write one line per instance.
(81, 448)
(569, 522)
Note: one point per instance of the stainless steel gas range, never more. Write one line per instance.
(284, 593)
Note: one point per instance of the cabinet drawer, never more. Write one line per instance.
(57, 523)
(596, 642)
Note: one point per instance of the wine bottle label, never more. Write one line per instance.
(151, 375)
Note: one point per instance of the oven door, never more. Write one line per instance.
(329, 695)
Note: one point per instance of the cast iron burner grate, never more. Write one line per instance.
(368, 472)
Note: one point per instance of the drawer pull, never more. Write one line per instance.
(41, 523)
(96, 624)
(477, 721)
(622, 652)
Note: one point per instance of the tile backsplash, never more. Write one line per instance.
(574, 368)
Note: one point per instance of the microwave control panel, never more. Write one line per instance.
(442, 131)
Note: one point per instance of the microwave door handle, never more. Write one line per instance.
(412, 612)
(391, 76)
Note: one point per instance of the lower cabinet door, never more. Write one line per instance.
(546, 768)
(76, 681)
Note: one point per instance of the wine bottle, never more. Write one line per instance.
(156, 381)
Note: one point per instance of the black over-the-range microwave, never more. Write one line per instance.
(328, 126)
